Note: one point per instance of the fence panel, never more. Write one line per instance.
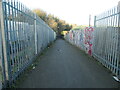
(106, 40)
(102, 42)
(22, 36)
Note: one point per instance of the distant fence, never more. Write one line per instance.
(102, 42)
(23, 35)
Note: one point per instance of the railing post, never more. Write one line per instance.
(35, 24)
(119, 40)
(3, 40)
(1, 58)
(4, 47)
(93, 47)
(94, 21)
(89, 20)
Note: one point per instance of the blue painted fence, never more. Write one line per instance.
(23, 35)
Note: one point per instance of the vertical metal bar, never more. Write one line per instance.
(4, 41)
(17, 13)
(10, 40)
(2, 50)
(107, 40)
(114, 40)
(116, 21)
(93, 48)
(113, 45)
(110, 40)
(21, 36)
(118, 62)
(35, 24)
(16, 38)
(19, 33)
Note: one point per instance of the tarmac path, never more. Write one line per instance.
(66, 66)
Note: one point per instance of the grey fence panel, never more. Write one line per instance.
(106, 40)
(103, 41)
(19, 34)
(23, 35)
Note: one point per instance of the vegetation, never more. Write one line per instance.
(64, 32)
(79, 27)
(55, 23)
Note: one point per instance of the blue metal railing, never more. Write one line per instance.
(23, 36)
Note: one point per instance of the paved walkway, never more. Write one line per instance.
(65, 66)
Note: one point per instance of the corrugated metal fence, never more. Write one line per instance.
(23, 35)
(102, 42)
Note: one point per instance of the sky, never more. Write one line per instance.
(72, 11)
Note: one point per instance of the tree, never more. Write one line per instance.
(42, 14)
(55, 23)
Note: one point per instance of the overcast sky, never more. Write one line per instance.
(72, 11)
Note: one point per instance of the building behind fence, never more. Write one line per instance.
(102, 42)
(23, 35)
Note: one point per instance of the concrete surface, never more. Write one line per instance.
(65, 66)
